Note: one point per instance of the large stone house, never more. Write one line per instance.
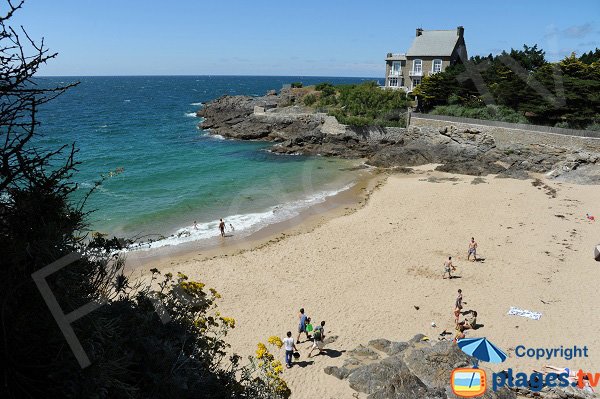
(431, 51)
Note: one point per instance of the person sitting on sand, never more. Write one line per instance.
(471, 321)
(571, 376)
(289, 346)
(222, 227)
(590, 217)
(318, 338)
(472, 249)
(448, 266)
(460, 331)
(301, 325)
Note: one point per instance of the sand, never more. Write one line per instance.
(364, 272)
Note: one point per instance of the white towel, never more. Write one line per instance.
(524, 313)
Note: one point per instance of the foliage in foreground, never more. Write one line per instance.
(564, 93)
(364, 104)
(159, 340)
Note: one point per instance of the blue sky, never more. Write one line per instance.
(321, 38)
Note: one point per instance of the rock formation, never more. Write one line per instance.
(419, 369)
(296, 129)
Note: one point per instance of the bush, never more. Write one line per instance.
(489, 112)
(594, 126)
(365, 104)
(296, 85)
(310, 99)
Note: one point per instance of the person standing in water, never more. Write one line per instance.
(195, 225)
(222, 227)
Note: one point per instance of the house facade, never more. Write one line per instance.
(432, 51)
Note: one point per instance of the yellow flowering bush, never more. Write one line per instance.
(270, 369)
(275, 340)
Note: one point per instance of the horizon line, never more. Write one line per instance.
(204, 75)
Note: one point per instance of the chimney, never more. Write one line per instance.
(460, 31)
(419, 31)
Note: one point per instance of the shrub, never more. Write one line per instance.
(310, 99)
(489, 112)
(296, 85)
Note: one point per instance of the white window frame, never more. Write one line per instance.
(396, 71)
(415, 84)
(433, 63)
(420, 64)
(392, 80)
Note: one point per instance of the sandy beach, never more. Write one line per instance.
(364, 270)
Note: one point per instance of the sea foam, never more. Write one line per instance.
(244, 224)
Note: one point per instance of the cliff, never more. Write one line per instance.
(469, 150)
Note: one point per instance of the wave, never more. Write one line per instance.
(190, 114)
(214, 136)
(196, 104)
(243, 224)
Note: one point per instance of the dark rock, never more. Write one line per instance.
(473, 168)
(338, 372)
(418, 370)
(373, 377)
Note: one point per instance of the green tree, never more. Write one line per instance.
(133, 352)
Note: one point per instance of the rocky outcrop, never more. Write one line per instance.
(418, 369)
(296, 129)
(406, 370)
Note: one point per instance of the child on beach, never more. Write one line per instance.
(309, 327)
(458, 305)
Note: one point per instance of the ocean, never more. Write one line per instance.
(166, 172)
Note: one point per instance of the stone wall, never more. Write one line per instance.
(507, 136)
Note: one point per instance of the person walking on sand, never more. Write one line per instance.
(472, 250)
(301, 325)
(448, 266)
(290, 347)
(222, 227)
(318, 338)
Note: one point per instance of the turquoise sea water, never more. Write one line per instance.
(173, 172)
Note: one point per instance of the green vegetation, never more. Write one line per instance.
(296, 85)
(539, 92)
(489, 112)
(161, 342)
(364, 104)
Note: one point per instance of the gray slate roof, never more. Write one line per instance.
(434, 42)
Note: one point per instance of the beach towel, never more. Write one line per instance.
(524, 313)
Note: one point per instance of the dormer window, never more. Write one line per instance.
(436, 66)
